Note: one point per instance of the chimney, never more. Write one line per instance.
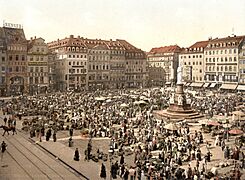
(31, 38)
(71, 36)
(35, 37)
(78, 37)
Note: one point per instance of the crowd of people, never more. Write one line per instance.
(126, 117)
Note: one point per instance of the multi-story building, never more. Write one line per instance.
(117, 64)
(136, 74)
(222, 61)
(167, 58)
(37, 57)
(3, 68)
(51, 72)
(242, 64)
(70, 63)
(16, 61)
(191, 59)
(98, 63)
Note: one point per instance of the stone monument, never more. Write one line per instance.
(178, 108)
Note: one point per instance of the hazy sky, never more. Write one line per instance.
(144, 23)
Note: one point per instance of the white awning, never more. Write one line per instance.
(228, 86)
(196, 84)
(168, 83)
(206, 85)
(212, 85)
(241, 87)
(187, 84)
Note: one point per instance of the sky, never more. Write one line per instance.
(143, 23)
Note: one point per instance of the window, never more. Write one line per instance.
(31, 80)
(17, 69)
(200, 56)
(234, 51)
(69, 56)
(41, 69)
(10, 69)
(17, 57)
(70, 63)
(23, 58)
(41, 79)
(31, 69)
(235, 59)
(36, 80)
(3, 59)
(3, 68)
(81, 56)
(230, 68)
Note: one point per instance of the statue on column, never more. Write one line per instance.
(172, 99)
(179, 75)
(180, 100)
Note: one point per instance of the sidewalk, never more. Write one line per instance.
(89, 169)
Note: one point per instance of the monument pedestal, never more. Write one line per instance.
(178, 108)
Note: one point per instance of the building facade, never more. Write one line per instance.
(222, 60)
(70, 63)
(37, 57)
(99, 66)
(242, 64)
(99, 63)
(167, 58)
(191, 60)
(136, 74)
(16, 61)
(3, 68)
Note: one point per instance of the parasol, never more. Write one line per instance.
(171, 127)
(236, 131)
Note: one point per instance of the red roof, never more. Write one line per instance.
(165, 49)
(199, 44)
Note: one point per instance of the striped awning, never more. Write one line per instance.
(241, 87)
(212, 85)
(229, 86)
(206, 85)
(196, 84)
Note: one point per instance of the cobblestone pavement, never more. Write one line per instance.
(14, 169)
